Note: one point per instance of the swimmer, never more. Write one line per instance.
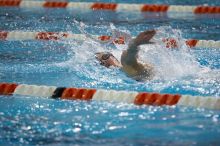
(129, 58)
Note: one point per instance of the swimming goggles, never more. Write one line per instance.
(106, 56)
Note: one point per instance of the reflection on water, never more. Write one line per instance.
(47, 121)
(177, 70)
(71, 63)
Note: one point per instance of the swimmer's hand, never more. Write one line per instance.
(144, 37)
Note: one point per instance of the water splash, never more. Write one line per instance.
(96, 123)
(83, 60)
(170, 63)
(176, 69)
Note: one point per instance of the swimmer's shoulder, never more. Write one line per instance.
(139, 71)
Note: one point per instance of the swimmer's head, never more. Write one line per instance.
(107, 59)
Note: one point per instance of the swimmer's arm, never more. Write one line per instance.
(129, 56)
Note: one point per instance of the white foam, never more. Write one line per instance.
(170, 64)
(173, 67)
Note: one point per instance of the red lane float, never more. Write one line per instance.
(50, 36)
(10, 3)
(170, 42)
(7, 88)
(104, 6)
(156, 99)
(154, 8)
(173, 43)
(207, 9)
(112, 6)
(142, 98)
(54, 36)
(191, 43)
(119, 40)
(74, 93)
(3, 35)
(55, 4)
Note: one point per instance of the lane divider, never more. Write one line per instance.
(137, 98)
(203, 9)
(7, 89)
(33, 90)
(54, 36)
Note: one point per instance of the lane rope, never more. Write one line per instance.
(137, 98)
(31, 35)
(203, 9)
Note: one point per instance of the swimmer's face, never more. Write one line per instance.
(107, 59)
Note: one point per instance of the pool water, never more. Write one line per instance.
(34, 121)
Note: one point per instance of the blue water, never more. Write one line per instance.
(70, 63)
